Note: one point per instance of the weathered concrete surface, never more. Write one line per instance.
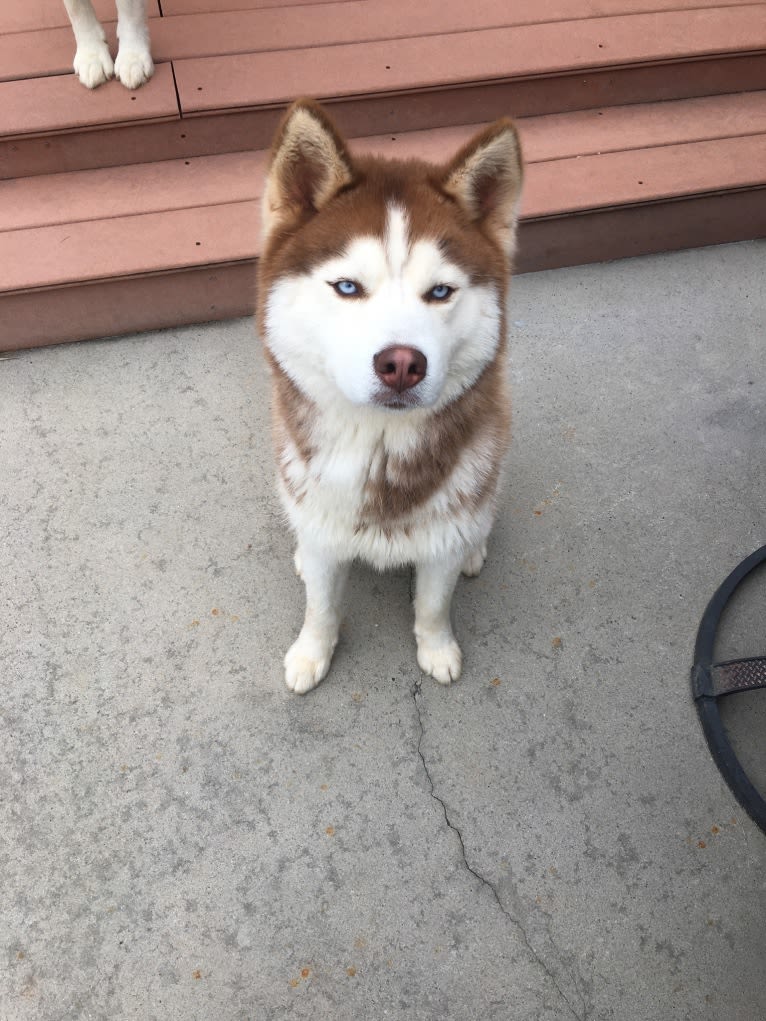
(181, 838)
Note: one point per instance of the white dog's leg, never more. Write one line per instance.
(438, 653)
(308, 660)
(133, 65)
(92, 62)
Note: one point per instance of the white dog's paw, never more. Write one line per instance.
(306, 664)
(474, 562)
(133, 66)
(441, 659)
(93, 64)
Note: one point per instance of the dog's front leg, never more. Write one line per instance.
(438, 653)
(92, 61)
(308, 660)
(133, 65)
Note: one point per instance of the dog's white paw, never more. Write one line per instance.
(133, 66)
(306, 664)
(93, 64)
(442, 660)
(474, 562)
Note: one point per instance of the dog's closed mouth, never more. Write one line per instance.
(395, 401)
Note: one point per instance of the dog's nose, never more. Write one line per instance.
(400, 368)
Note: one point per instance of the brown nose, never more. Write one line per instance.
(400, 368)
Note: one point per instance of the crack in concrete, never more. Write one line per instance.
(551, 975)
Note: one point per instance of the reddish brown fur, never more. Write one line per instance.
(306, 237)
(400, 485)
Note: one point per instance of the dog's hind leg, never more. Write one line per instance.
(92, 61)
(438, 652)
(308, 660)
(133, 65)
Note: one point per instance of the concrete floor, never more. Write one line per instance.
(181, 838)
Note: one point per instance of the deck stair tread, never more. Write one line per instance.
(210, 204)
(248, 78)
(23, 16)
(153, 187)
(482, 55)
(47, 105)
(643, 124)
(48, 51)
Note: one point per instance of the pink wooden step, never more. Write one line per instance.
(46, 52)
(643, 124)
(237, 177)
(225, 231)
(462, 58)
(31, 15)
(233, 102)
(45, 105)
(195, 223)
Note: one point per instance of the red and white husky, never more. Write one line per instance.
(382, 289)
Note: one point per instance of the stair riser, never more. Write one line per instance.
(210, 134)
(118, 306)
(108, 308)
(627, 231)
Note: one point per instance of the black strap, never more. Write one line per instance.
(730, 677)
(711, 681)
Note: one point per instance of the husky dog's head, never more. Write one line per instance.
(383, 282)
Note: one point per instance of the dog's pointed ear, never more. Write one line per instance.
(309, 165)
(485, 179)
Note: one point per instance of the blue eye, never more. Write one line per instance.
(440, 293)
(347, 288)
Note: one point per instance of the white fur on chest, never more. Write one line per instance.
(327, 346)
(325, 499)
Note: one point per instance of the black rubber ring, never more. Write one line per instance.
(707, 703)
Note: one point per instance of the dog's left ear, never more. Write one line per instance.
(485, 178)
(309, 165)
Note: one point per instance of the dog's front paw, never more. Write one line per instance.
(93, 64)
(133, 67)
(306, 664)
(441, 659)
(474, 562)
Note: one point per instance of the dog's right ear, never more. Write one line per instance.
(309, 165)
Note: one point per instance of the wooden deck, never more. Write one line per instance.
(643, 124)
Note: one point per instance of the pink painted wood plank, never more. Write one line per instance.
(226, 232)
(254, 79)
(643, 125)
(353, 21)
(60, 103)
(236, 177)
(36, 53)
(129, 191)
(128, 246)
(648, 175)
(515, 14)
(108, 308)
(172, 7)
(42, 53)
(30, 15)
(587, 132)
(224, 290)
(624, 231)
